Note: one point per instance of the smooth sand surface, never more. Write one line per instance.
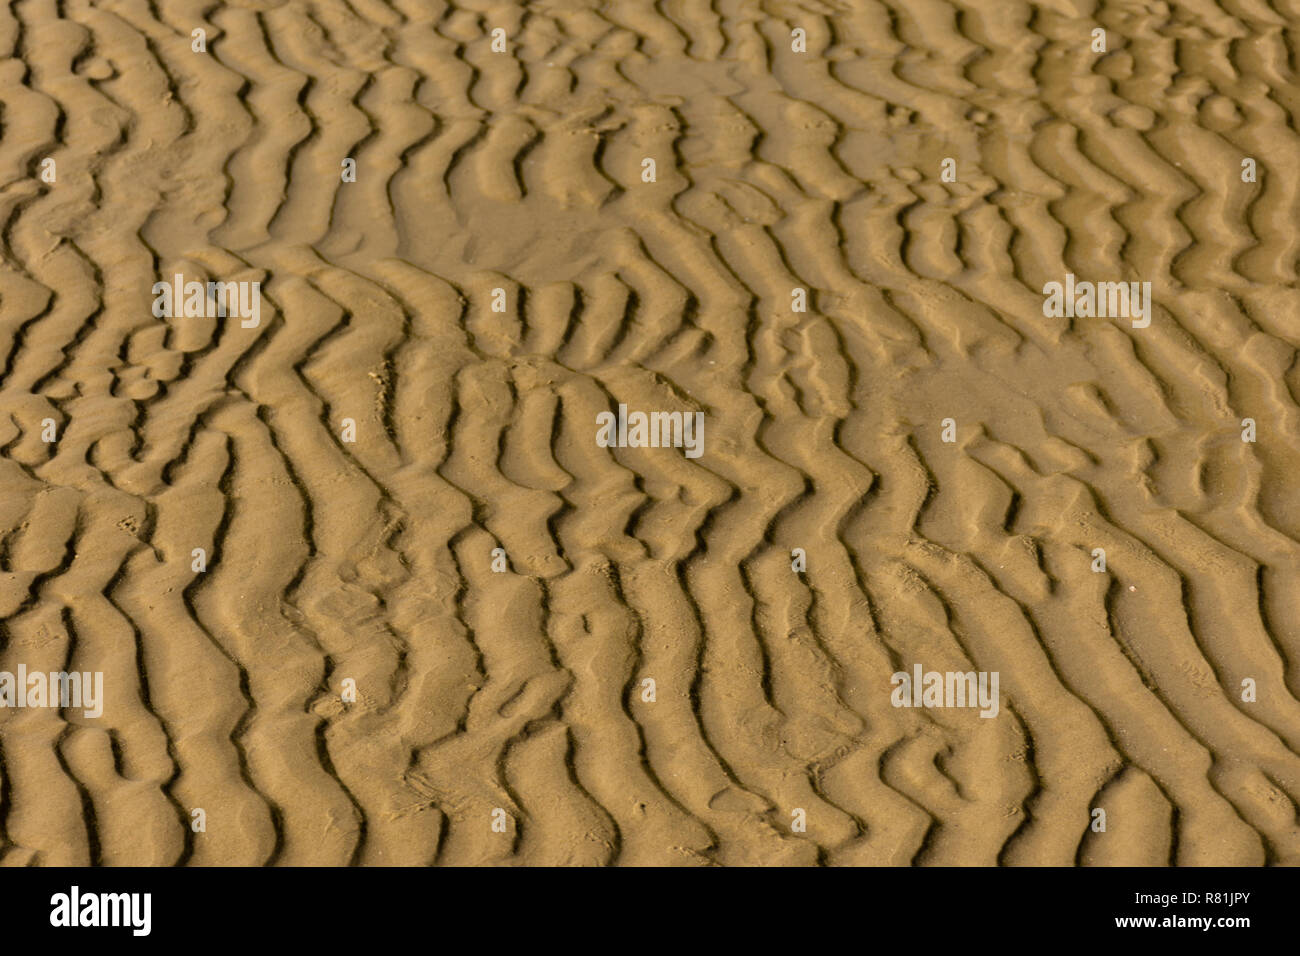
(503, 716)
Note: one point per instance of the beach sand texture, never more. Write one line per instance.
(239, 524)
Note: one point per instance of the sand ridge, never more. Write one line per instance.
(801, 275)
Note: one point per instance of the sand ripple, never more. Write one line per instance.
(371, 561)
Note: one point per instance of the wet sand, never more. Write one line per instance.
(365, 588)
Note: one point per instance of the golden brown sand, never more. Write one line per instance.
(502, 716)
